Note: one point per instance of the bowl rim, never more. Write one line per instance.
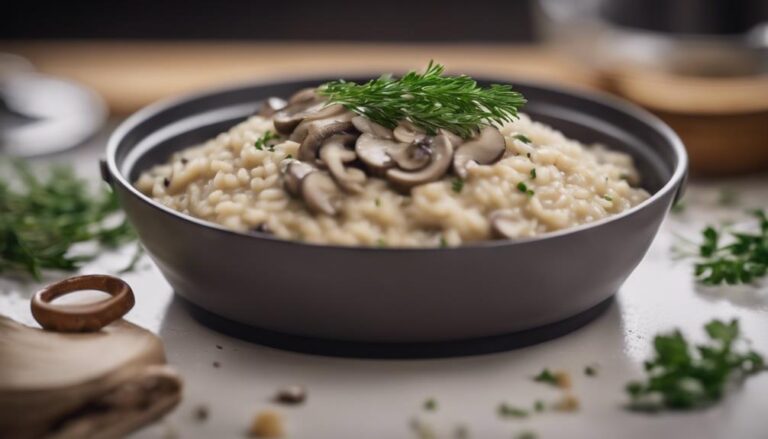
(675, 182)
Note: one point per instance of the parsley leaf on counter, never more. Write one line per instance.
(743, 259)
(682, 377)
(42, 219)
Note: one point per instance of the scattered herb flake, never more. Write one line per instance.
(430, 404)
(546, 376)
(683, 377)
(457, 185)
(522, 187)
(263, 141)
(539, 406)
(527, 434)
(679, 207)
(533, 173)
(377, 202)
(508, 411)
(727, 197)
(443, 242)
(381, 242)
(607, 198)
(523, 138)
(590, 371)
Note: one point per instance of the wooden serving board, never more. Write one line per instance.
(82, 385)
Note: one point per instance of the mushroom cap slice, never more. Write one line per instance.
(485, 148)
(329, 113)
(367, 126)
(308, 94)
(407, 132)
(320, 193)
(505, 224)
(334, 154)
(374, 152)
(318, 131)
(442, 151)
(270, 106)
(413, 156)
(293, 172)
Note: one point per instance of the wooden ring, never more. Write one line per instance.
(87, 317)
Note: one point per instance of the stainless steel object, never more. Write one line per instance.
(395, 295)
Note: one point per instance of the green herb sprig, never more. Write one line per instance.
(743, 259)
(681, 377)
(263, 142)
(429, 100)
(42, 219)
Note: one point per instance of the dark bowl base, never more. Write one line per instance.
(333, 348)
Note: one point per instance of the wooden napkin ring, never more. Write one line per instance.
(86, 317)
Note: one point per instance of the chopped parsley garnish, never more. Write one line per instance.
(377, 202)
(684, 377)
(546, 376)
(263, 141)
(523, 138)
(42, 219)
(443, 242)
(678, 207)
(508, 411)
(457, 185)
(381, 242)
(289, 156)
(539, 406)
(430, 404)
(522, 187)
(607, 198)
(742, 259)
(590, 371)
(533, 173)
(429, 100)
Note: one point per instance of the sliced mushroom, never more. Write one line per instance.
(308, 94)
(301, 105)
(318, 131)
(334, 154)
(320, 193)
(374, 152)
(505, 224)
(333, 112)
(455, 139)
(407, 132)
(271, 106)
(442, 151)
(485, 148)
(413, 156)
(293, 172)
(367, 126)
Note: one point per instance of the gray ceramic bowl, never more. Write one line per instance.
(392, 294)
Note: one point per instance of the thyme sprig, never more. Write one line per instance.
(429, 100)
(42, 219)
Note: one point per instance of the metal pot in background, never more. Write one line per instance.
(700, 65)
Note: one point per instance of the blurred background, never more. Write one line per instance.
(70, 69)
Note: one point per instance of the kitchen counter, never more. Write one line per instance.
(380, 398)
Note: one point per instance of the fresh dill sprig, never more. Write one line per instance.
(429, 100)
(683, 377)
(41, 219)
(743, 259)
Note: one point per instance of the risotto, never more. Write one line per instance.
(251, 179)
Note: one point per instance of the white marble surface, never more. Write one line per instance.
(355, 398)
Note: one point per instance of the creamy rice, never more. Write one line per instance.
(230, 182)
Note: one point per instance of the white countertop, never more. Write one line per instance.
(356, 398)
